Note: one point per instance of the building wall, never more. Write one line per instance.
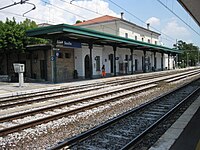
(65, 64)
(131, 31)
(110, 27)
(80, 63)
(123, 65)
(136, 33)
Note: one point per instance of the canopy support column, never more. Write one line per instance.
(131, 60)
(114, 50)
(53, 62)
(154, 56)
(162, 61)
(144, 61)
(91, 70)
(168, 61)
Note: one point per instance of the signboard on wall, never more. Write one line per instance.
(69, 43)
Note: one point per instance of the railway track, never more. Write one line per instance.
(94, 101)
(124, 131)
(55, 94)
(117, 81)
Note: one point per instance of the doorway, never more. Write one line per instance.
(43, 72)
(136, 65)
(111, 63)
(87, 66)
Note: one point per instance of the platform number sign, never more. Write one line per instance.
(52, 58)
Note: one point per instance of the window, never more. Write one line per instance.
(136, 38)
(67, 55)
(97, 58)
(142, 39)
(126, 35)
(156, 42)
(149, 41)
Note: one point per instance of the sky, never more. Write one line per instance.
(139, 12)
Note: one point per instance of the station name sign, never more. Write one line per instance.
(69, 43)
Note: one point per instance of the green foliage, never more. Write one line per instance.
(78, 21)
(13, 37)
(190, 54)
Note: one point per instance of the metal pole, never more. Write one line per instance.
(21, 79)
(131, 60)
(162, 61)
(114, 49)
(91, 66)
(168, 61)
(144, 61)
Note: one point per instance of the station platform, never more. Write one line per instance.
(12, 89)
(184, 134)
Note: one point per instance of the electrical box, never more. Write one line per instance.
(19, 68)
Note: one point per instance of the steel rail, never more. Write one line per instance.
(12, 129)
(39, 121)
(164, 117)
(72, 102)
(67, 92)
(68, 143)
(113, 81)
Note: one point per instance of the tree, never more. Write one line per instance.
(190, 55)
(13, 39)
(78, 21)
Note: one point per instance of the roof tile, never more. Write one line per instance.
(97, 20)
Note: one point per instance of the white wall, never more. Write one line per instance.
(79, 59)
(107, 50)
(133, 31)
(120, 28)
(110, 27)
(158, 59)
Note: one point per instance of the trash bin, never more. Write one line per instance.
(75, 75)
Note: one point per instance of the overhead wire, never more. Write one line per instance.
(15, 3)
(62, 9)
(74, 13)
(172, 40)
(140, 19)
(47, 2)
(19, 15)
(87, 10)
(178, 17)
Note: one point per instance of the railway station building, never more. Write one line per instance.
(80, 50)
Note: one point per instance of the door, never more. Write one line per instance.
(87, 66)
(136, 65)
(43, 69)
(111, 63)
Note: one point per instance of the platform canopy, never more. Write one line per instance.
(193, 8)
(83, 35)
